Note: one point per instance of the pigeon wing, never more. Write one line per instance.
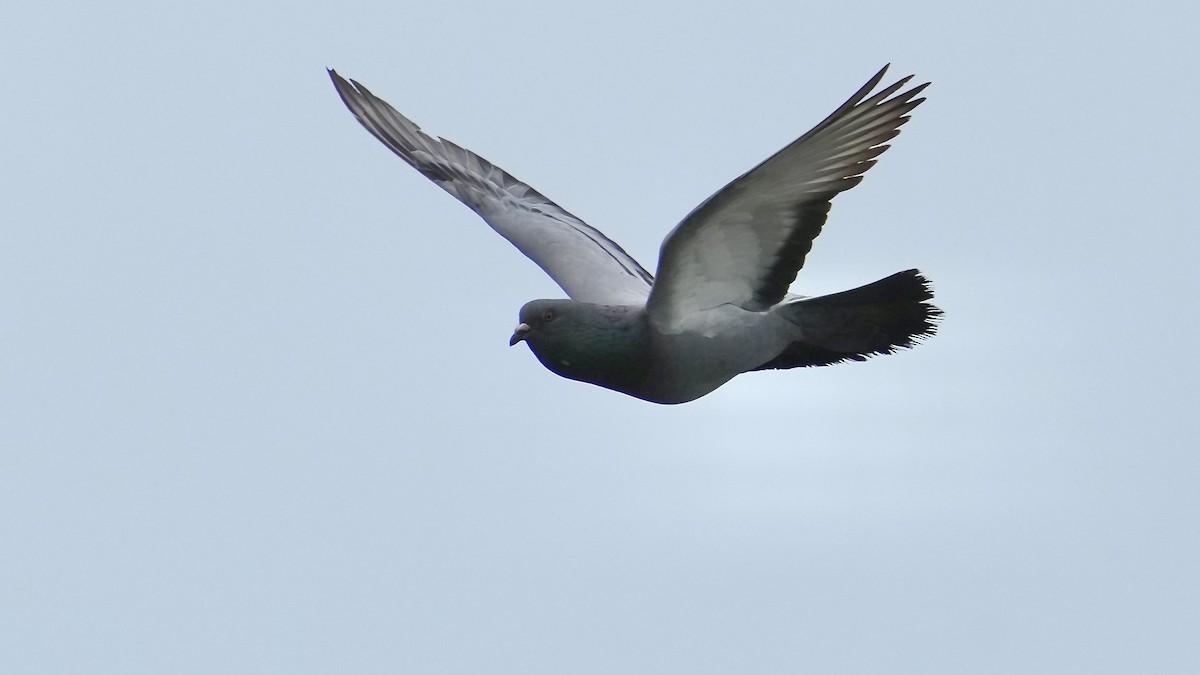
(589, 266)
(745, 244)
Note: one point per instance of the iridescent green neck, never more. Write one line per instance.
(602, 345)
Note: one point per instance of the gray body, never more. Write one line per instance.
(719, 305)
(618, 347)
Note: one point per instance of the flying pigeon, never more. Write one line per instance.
(719, 305)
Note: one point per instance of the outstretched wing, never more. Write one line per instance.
(589, 266)
(745, 244)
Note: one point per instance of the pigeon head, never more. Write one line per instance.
(544, 322)
(601, 344)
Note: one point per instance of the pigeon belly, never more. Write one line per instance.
(673, 367)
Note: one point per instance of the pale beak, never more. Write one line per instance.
(518, 334)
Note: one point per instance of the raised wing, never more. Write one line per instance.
(745, 244)
(589, 266)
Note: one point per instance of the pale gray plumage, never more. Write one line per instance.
(720, 305)
(589, 266)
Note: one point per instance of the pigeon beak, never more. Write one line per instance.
(518, 334)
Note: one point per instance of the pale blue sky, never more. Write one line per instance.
(258, 412)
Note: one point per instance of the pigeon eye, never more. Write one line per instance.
(548, 316)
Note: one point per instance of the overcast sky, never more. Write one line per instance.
(258, 412)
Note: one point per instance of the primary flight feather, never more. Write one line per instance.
(720, 304)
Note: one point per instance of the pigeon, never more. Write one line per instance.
(720, 303)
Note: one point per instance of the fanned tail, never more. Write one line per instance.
(879, 318)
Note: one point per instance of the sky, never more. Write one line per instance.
(258, 411)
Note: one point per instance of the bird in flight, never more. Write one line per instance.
(719, 304)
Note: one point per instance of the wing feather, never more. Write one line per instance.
(745, 244)
(589, 266)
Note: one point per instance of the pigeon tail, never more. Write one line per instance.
(879, 318)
